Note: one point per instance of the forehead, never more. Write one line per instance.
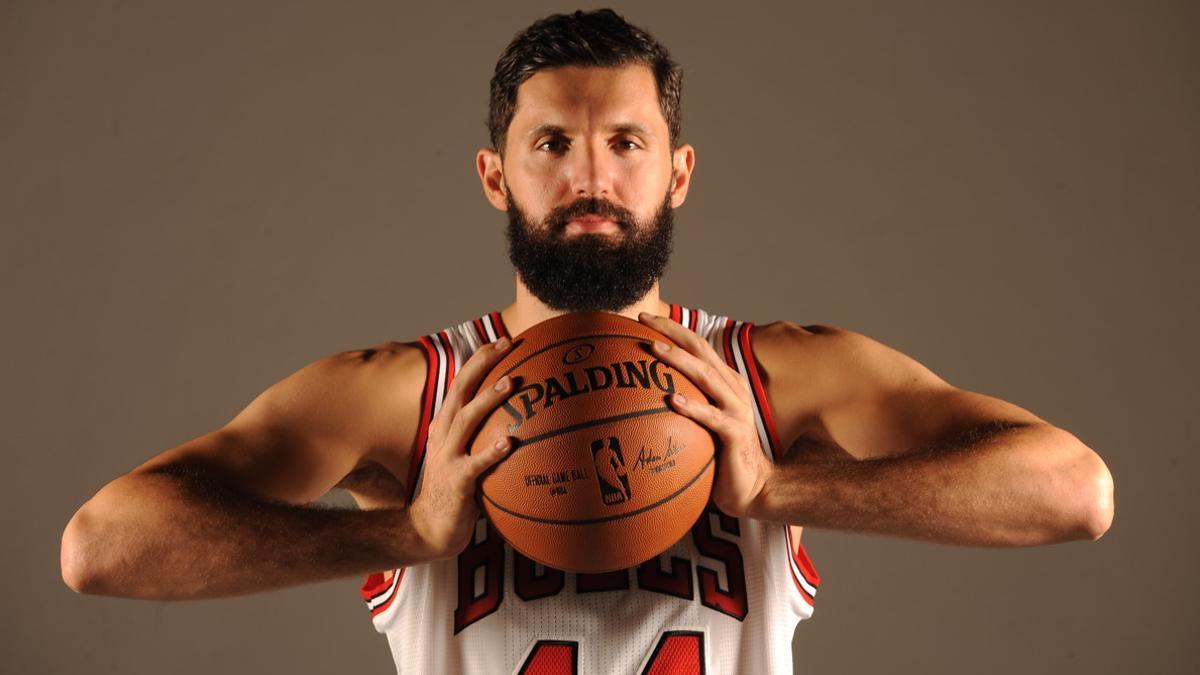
(561, 95)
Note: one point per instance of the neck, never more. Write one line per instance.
(527, 310)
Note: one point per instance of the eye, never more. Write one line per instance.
(627, 145)
(553, 145)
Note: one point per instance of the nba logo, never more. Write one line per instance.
(610, 470)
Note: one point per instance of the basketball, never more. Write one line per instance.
(602, 474)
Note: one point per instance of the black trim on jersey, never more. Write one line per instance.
(681, 570)
(493, 539)
(711, 546)
(529, 585)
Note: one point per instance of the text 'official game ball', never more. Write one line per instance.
(602, 475)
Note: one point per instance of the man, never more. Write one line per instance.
(816, 426)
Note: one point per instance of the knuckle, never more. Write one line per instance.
(435, 427)
(456, 427)
(483, 353)
(453, 398)
(715, 417)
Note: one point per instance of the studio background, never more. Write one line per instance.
(198, 199)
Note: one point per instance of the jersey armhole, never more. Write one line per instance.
(754, 374)
(800, 558)
(378, 590)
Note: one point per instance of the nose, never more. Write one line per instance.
(592, 172)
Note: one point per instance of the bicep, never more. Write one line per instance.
(846, 390)
(900, 422)
(883, 403)
(300, 437)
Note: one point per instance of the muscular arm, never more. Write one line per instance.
(177, 534)
(225, 514)
(926, 460)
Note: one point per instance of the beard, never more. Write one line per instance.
(590, 272)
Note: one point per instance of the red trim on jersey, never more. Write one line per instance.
(727, 343)
(806, 566)
(498, 323)
(481, 330)
(796, 551)
(676, 313)
(427, 399)
(376, 583)
(449, 347)
(373, 586)
(760, 392)
(800, 556)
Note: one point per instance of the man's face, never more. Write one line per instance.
(589, 183)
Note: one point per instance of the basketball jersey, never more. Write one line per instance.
(725, 598)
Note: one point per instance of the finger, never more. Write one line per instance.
(700, 373)
(473, 413)
(705, 414)
(466, 382)
(697, 346)
(481, 461)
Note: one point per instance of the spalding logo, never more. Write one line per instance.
(535, 396)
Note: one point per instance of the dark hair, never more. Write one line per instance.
(597, 38)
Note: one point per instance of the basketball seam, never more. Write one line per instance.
(522, 442)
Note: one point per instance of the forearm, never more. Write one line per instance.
(1021, 487)
(170, 537)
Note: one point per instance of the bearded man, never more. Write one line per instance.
(816, 426)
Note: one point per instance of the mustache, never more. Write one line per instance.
(558, 218)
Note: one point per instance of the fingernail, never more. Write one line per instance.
(502, 383)
(501, 443)
(678, 398)
(502, 344)
(661, 346)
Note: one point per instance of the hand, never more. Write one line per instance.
(445, 511)
(742, 468)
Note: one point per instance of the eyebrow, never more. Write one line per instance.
(623, 128)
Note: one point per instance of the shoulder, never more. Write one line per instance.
(302, 435)
(380, 389)
(809, 370)
(364, 400)
(836, 358)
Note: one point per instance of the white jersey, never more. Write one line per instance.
(725, 598)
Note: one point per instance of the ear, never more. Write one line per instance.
(491, 174)
(683, 161)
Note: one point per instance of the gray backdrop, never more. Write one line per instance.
(199, 198)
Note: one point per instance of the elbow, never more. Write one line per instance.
(1087, 505)
(1099, 510)
(78, 570)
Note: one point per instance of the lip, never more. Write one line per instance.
(591, 224)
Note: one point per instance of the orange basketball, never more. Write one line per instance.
(602, 475)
